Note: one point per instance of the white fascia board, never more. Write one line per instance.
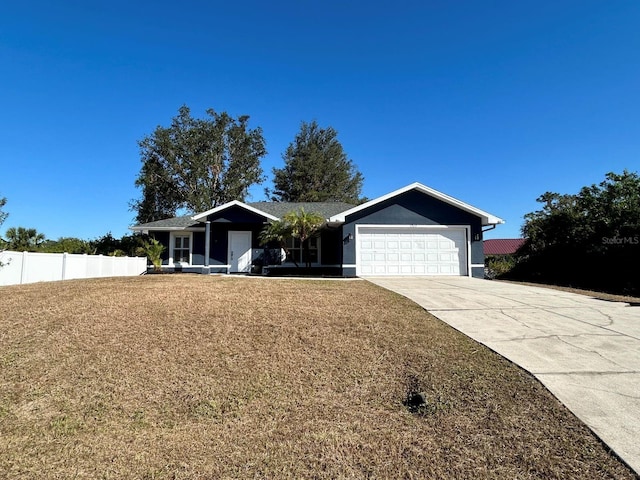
(487, 218)
(233, 203)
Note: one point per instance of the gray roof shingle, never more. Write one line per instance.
(279, 209)
(176, 222)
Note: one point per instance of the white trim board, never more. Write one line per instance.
(172, 238)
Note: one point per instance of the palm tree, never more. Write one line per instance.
(23, 239)
(153, 250)
(297, 224)
(304, 225)
(276, 231)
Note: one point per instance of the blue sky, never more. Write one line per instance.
(492, 102)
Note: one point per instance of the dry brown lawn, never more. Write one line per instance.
(177, 376)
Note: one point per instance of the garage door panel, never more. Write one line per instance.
(433, 269)
(418, 270)
(407, 251)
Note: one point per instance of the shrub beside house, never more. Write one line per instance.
(500, 255)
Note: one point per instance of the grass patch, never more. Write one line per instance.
(611, 297)
(177, 376)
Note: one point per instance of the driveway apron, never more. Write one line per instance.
(585, 351)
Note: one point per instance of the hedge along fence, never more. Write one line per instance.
(29, 267)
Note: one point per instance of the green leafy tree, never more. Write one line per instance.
(22, 239)
(316, 169)
(127, 245)
(68, 245)
(606, 210)
(3, 215)
(197, 164)
(160, 195)
(589, 239)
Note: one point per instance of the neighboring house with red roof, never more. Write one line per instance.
(499, 255)
(502, 246)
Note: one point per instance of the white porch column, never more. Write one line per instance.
(207, 242)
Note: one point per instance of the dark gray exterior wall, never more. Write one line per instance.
(412, 208)
(331, 247)
(163, 238)
(234, 218)
(197, 252)
(231, 219)
(477, 256)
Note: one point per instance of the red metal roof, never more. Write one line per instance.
(502, 246)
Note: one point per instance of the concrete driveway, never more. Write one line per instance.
(585, 351)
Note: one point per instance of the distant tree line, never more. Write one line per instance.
(22, 239)
(588, 240)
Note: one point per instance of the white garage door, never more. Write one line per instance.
(411, 251)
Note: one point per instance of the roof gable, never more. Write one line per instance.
(487, 218)
(234, 203)
(268, 210)
(276, 210)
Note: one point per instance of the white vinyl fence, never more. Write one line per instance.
(27, 267)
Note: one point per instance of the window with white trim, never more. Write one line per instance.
(296, 252)
(181, 248)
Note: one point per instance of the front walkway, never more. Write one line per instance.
(585, 351)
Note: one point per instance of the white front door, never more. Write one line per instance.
(239, 253)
